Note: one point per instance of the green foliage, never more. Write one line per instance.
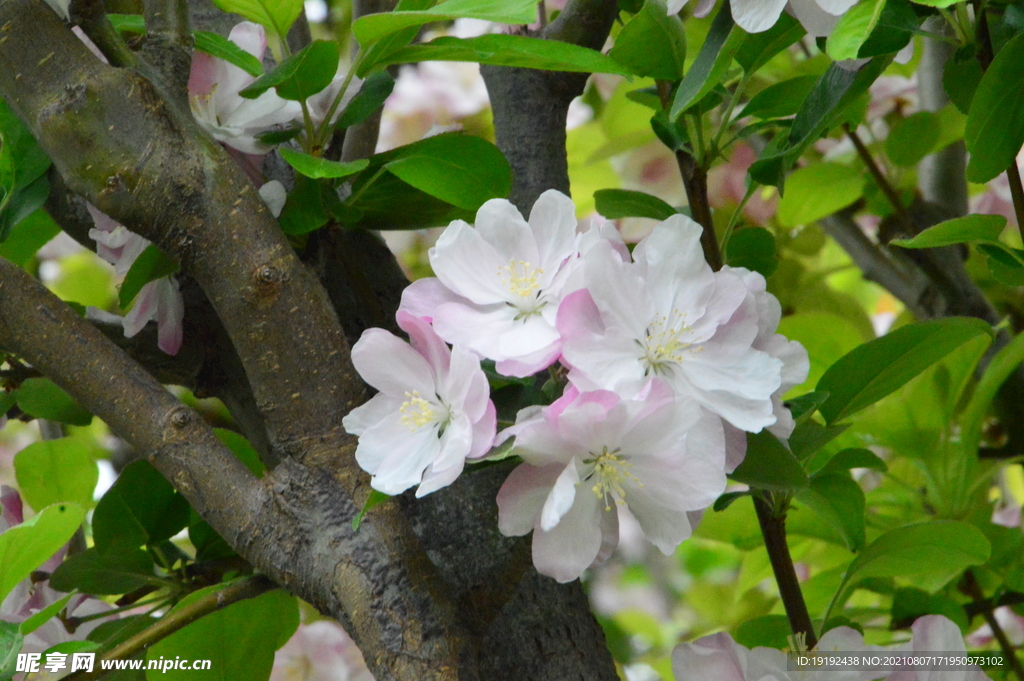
(97, 572)
(152, 264)
(781, 99)
(218, 46)
(141, 508)
(301, 75)
(43, 399)
(995, 123)
(913, 138)
(769, 465)
(55, 471)
(984, 228)
(23, 164)
(652, 43)
(373, 27)
(817, 190)
(753, 248)
(875, 369)
(623, 203)
(713, 60)
(319, 168)
(239, 640)
(242, 449)
(853, 29)
(277, 16)
(25, 547)
(375, 89)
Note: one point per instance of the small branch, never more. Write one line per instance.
(1017, 194)
(1007, 598)
(92, 19)
(880, 178)
(773, 529)
(583, 22)
(695, 180)
(250, 587)
(970, 586)
(168, 21)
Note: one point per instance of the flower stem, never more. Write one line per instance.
(771, 515)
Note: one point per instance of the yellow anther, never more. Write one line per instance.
(416, 411)
(663, 345)
(519, 277)
(610, 471)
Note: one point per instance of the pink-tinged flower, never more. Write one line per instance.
(320, 651)
(319, 104)
(668, 315)
(432, 412)
(159, 300)
(29, 597)
(755, 16)
(658, 455)
(499, 283)
(214, 85)
(1011, 623)
(719, 657)
(936, 633)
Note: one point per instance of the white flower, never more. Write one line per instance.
(668, 315)
(159, 300)
(658, 455)
(936, 633)
(499, 284)
(755, 16)
(431, 414)
(214, 85)
(319, 104)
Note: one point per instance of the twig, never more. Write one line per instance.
(971, 587)
(168, 624)
(773, 528)
(880, 178)
(1017, 194)
(695, 180)
(168, 21)
(93, 20)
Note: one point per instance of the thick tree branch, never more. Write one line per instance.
(295, 524)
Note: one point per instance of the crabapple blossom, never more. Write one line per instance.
(320, 651)
(158, 300)
(214, 85)
(659, 455)
(432, 412)
(319, 104)
(933, 633)
(499, 283)
(668, 315)
(755, 16)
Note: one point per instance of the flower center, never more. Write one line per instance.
(610, 471)
(416, 411)
(519, 277)
(663, 345)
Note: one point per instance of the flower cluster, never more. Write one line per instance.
(719, 657)
(666, 362)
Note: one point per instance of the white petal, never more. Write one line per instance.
(522, 497)
(391, 366)
(755, 16)
(553, 221)
(573, 544)
(561, 497)
(469, 266)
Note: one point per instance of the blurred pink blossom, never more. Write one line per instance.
(320, 651)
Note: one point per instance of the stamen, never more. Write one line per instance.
(519, 277)
(416, 411)
(610, 471)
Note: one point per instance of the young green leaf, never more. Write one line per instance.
(242, 449)
(984, 228)
(781, 99)
(758, 48)
(53, 471)
(277, 16)
(376, 498)
(753, 248)
(624, 203)
(27, 237)
(817, 190)
(913, 138)
(876, 369)
(152, 264)
(853, 29)
(509, 50)
(140, 508)
(316, 167)
(45, 615)
(712, 63)
(375, 89)
(24, 547)
(373, 27)
(1004, 363)
(995, 123)
(218, 46)
(43, 399)
(304, 209)
(301, 75)
(769, 465)
(652, 43)
(93, 572)
(839, 501)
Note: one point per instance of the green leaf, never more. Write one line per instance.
(985, 228)
(930, 553)
(652, 43)
(45, 615)
(830, 100)
(818, 190)
(317, 168)
(712, 62)
(301, 75)
(758, 48)
(218, 46)
(875, 369)
(769, 465)
(781, 99)
(960, 78)
(23, 203)
(461, 170)
(625, 203)
(908, 604)
(304, 208)
(140, 508)
(1004, 363)
(53, 471)
(152, 264)
(375, 89)
(895, 27)
(94, 572)
(853, 29)
(27, 237)
(376, 498)
(913, 138)
(372, 27)
(839, 501)
(11, 641)
(809, 436)
(753, 248)
(277, 16)
(941, 4)
(769, 631)
(43, 399)
(239, 640)
(28, 160)
(243, 450)
(508, 50)
(995, 123)
(25, 547)
(846, 459)
(129, 23)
